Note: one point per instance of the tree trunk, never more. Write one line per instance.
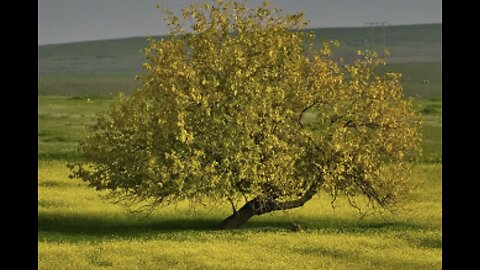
(238, 218)
(260, 206)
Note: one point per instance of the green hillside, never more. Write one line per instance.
(105, 67)
(406, 43)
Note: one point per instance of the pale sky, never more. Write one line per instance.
(61, 21)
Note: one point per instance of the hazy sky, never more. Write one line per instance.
(62, 21)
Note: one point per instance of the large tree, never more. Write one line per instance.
(239, 106)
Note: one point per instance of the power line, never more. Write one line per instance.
(372, 26)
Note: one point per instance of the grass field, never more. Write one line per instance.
(60, 123)
(78, 229)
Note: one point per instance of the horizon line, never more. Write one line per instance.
(159, 35)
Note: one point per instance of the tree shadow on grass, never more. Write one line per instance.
(82, 227)
(91, 227)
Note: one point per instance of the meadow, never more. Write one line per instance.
(79, 229)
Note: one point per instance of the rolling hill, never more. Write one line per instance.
(104, 67)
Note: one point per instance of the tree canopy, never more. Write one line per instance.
(238, 105)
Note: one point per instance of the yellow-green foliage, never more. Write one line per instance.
(220, 116)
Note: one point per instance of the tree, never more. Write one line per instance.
(244, 108)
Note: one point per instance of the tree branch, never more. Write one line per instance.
(262, 206)
(233, 205)
(304, 110)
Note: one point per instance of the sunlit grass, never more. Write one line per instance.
(79, 230)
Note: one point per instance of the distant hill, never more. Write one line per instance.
(406, 43)
(101, 67)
